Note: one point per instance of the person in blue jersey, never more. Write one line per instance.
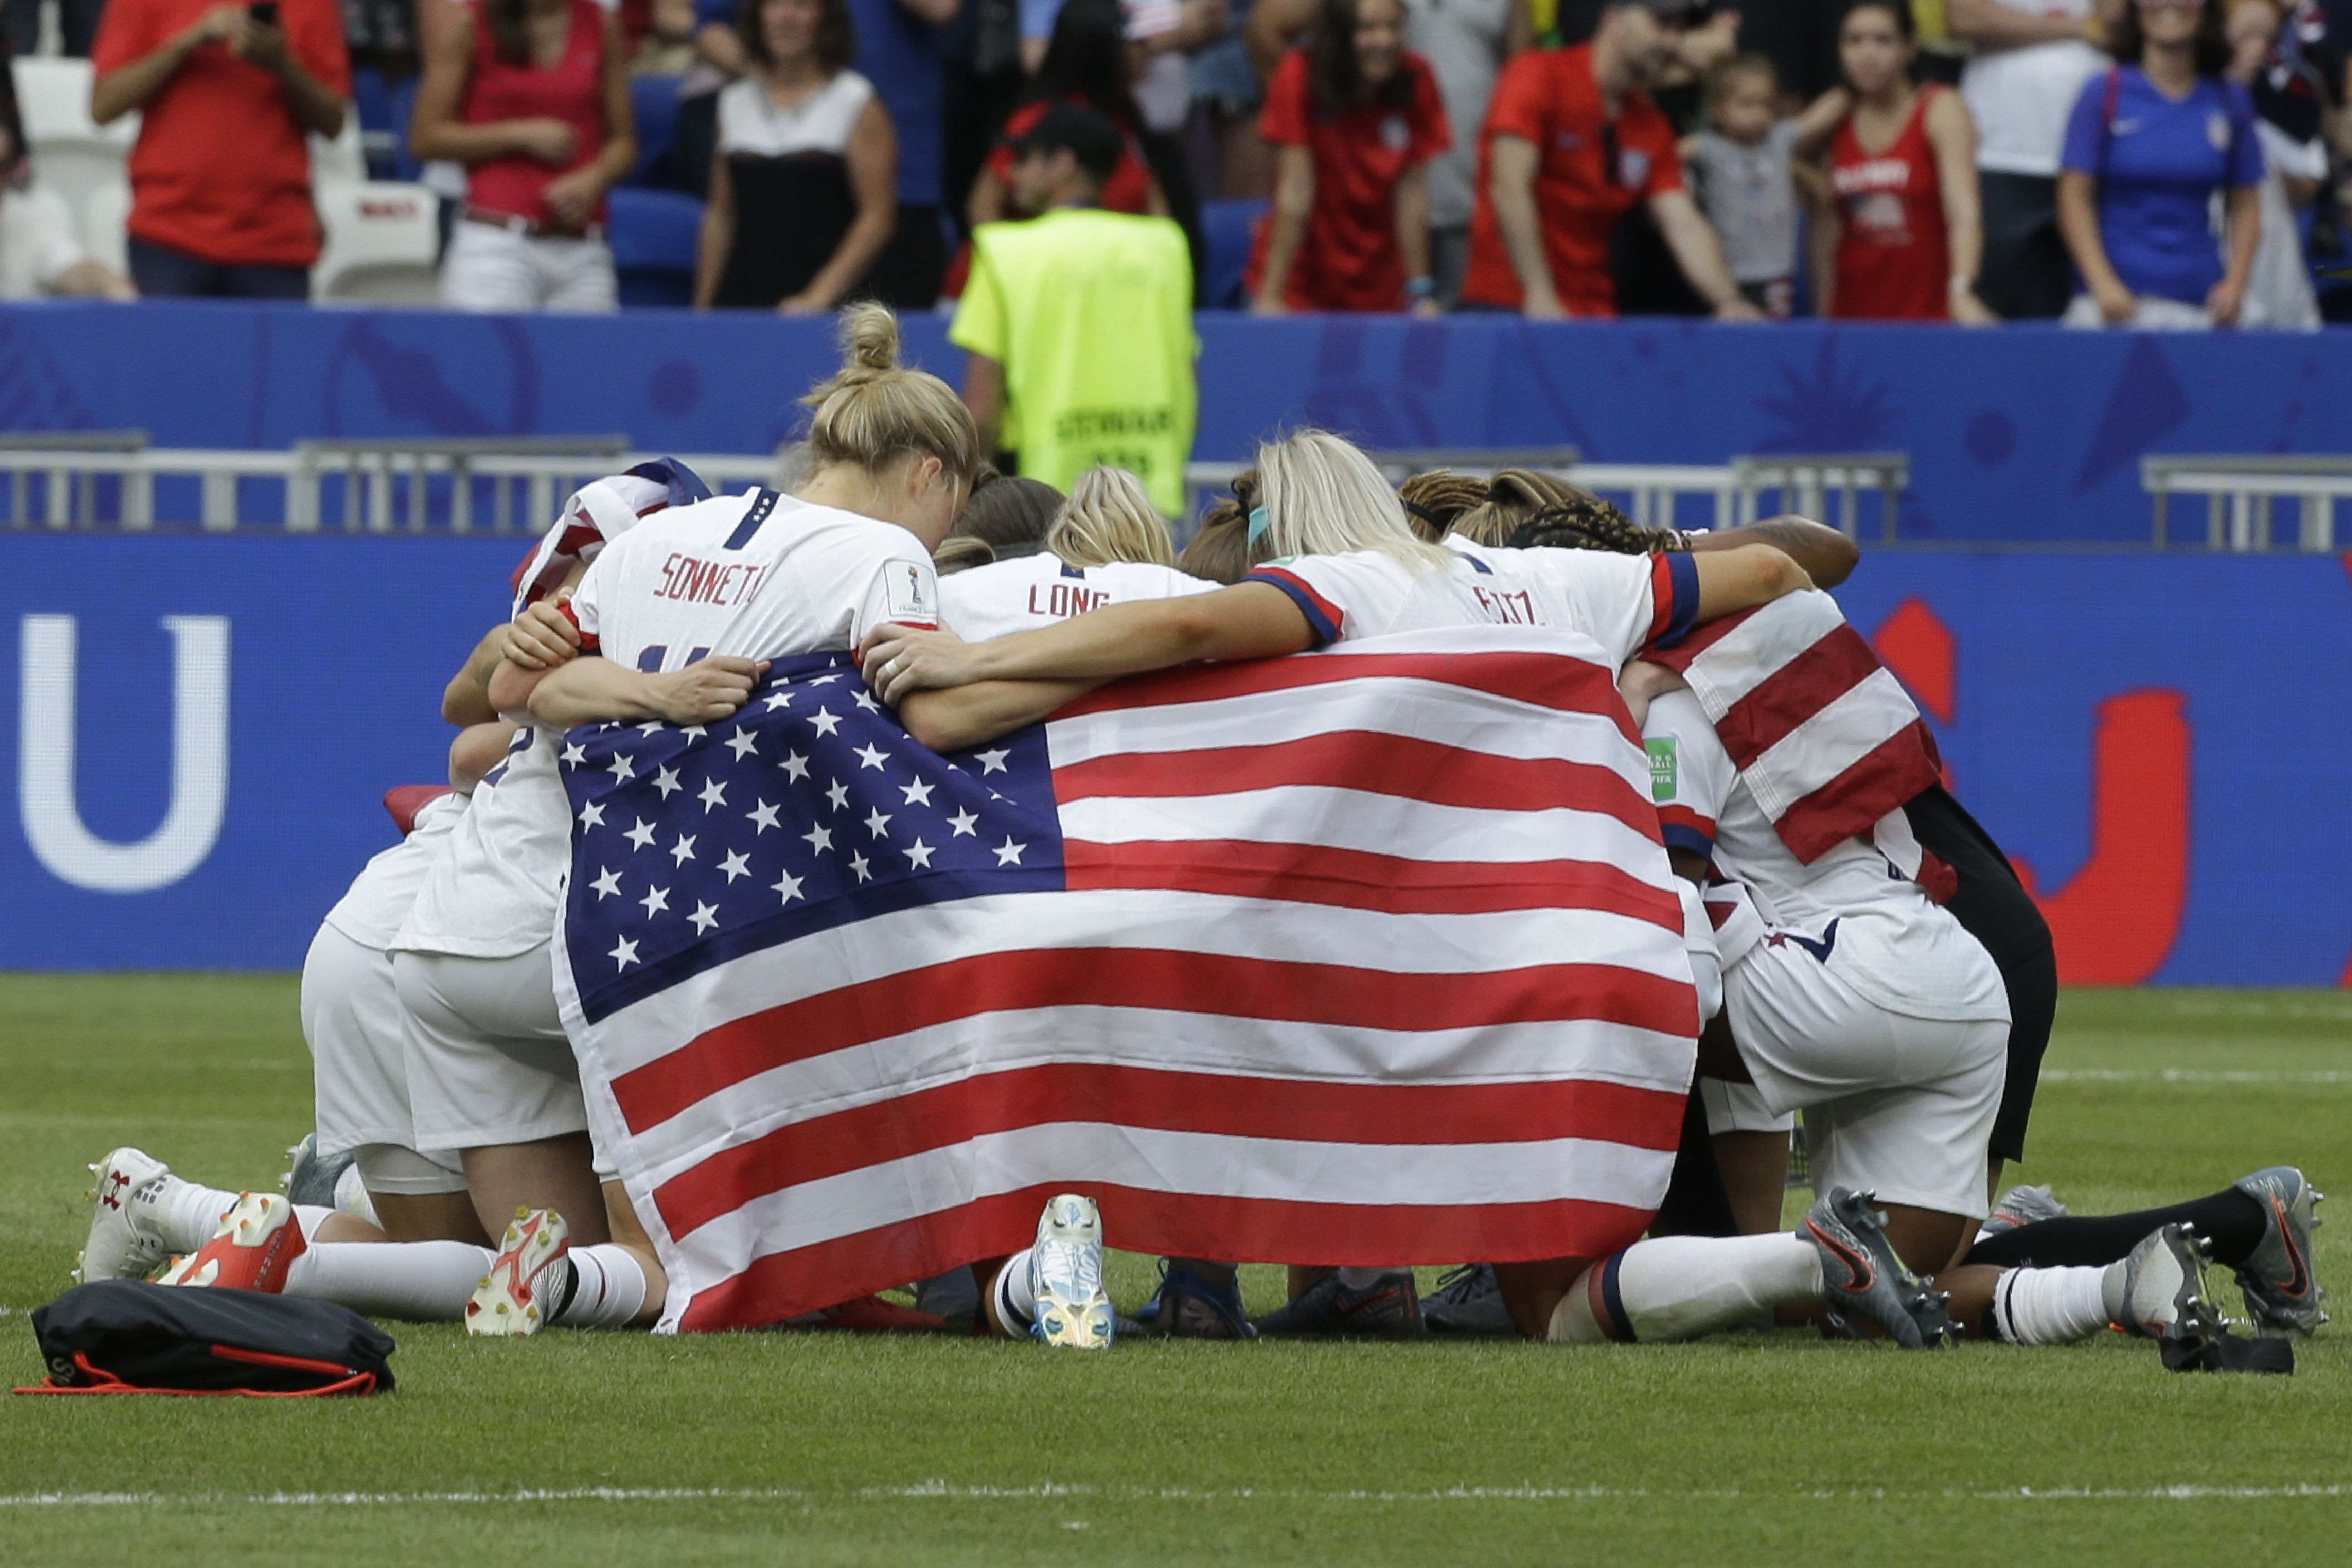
(2153, 140)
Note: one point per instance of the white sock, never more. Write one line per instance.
(352, 1197)
(2055, 1306)
(1017, 1290)
(182, 1213)
(608, 1289)
(1680, 1287)
(423, 1281)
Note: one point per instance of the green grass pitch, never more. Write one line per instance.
(581, 1449)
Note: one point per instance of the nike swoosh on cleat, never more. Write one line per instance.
(2299, 1283)
(1861, 1271)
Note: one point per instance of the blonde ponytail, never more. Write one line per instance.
(1109, 518)
(875, 413)
(1323, 497)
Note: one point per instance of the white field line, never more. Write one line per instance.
(953, 1492)
(2186, 1075)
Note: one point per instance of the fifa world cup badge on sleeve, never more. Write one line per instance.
(1663, 777)
(912, 594)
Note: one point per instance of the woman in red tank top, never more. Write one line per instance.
(1908, 231)
(532, 96)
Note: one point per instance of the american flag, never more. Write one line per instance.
(1362, 956)
(1823, 736)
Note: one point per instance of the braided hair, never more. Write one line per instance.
(1588, 523)
(1435, 500)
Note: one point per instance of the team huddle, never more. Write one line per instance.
(1888, 978)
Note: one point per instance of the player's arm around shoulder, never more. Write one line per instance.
(1743, 577)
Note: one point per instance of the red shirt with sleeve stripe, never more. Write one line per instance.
(1348, 258)
(1591, 170)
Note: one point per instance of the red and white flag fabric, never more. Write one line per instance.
(1369, 955)
(1823, 734)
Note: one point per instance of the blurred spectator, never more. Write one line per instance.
(1077, 324)
(1743, 167)
(1465, 42)
(40, 254)
(2288, 106)
(532, 96)
(801, 192)
(899, 51)
(1356, 119)
(220, 178)
(1800, 37)
(2031, 60)
(984, 80)
(669, 49)
(1231, 158)
(1905, 238)
(1571, 145)
(1162, 33)
(2153, 140)
(77, 23)
(1086, 64)
(381, 36)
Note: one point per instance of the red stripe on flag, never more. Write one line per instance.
(1679, 657)
(1365, 760)
(1157, 979)
(1184, 1224)
(1545, 681)
(1359, 880)
(1835, 664)
(1880, 780)
(1223, 1105)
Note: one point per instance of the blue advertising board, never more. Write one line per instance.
(203, 729)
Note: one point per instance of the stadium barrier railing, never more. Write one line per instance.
(2239, 493)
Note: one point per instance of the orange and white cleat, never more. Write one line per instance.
(258, 1242)
(525, 1287)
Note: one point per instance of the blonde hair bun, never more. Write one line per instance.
(870, 339)
(874, 412)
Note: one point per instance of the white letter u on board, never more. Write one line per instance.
(46, 759)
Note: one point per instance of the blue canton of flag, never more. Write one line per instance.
(810, 809)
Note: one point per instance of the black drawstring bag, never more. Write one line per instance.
(126, 1336)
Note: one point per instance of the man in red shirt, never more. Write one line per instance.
(220, 179)
(1571, 143)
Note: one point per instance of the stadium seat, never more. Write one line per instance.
(381, 134)
(382, 239)
(1229, 228)
(654, 234)
(655, 102)
(405, 165)
(73, 154)
(105, 224)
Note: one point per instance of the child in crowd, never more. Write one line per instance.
(1742, 166)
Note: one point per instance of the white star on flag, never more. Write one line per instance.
(865, 700)
(857, 863)
(919, 854)
(838, 795)
(704, 917)
(575, 753)
(743, 742)
(872, 756)
(667, 782)
(795, 766)
(1009, 853)
(713, 793)
(993, 762)
(657, 901)
(790, 887)
(623, 770)
(780, 698)
(962, 822)
(826, 679)
(683, 850)
(919, 793)
(736, 864)
(592, 814)
(825, 720)
(694, 731)
(642, 835)
(626, 953)
(819, 839)
(876, 821)
(648, 727)
(764, 815)
(606, 885)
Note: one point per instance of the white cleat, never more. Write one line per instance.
(509, 1299)
(253, 1249)
(120, 1245)
(2164, 1286)
(1073, 1311)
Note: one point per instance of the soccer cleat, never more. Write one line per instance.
(258, 1242)
(2164, 1286)
(1073, 1311)
(1468, 1300)
(1188, 1308)
(1861, 1277)
(120, 1245)
(2019, 1207)
(511, 1298)
(1389, 1308)
(2282, 1294)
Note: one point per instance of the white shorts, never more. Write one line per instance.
(1740, 1108)
(492, 268)
(1899, 1105)
(487, 1061)
(356, 1028)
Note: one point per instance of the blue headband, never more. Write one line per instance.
(1258, 524)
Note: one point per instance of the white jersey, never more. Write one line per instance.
(1623, 602)
(371, 911)
(1035, 591)
(1891, 942)
(758, 576)
(495, 893)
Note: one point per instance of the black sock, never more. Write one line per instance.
(2231, 1220)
